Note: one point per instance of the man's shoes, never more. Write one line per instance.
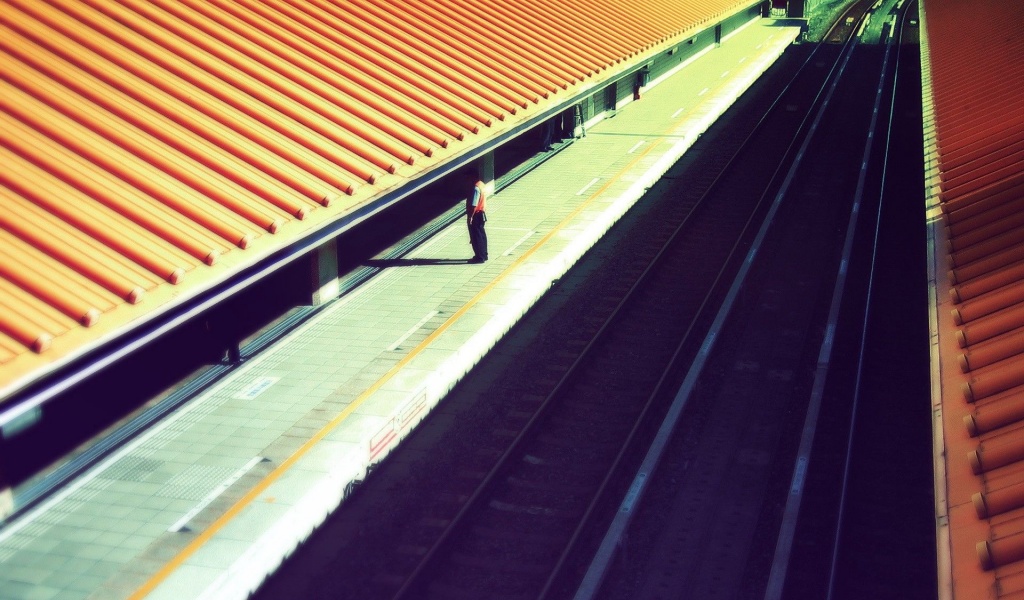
(477, 260)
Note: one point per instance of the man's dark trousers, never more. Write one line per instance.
(478, 237)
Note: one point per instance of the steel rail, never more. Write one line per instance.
(594, 577)
(858, 374)
(787, 530)
(637, 489)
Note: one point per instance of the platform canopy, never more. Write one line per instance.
(152, 149)
(973, 74)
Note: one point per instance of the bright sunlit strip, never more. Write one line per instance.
(519, 243)
(412, 330)
(220, 489)
(587, 187)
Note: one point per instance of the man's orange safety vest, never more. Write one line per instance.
(481, 204)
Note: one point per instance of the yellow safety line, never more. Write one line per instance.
(271, 477)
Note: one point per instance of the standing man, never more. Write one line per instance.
(476, 205)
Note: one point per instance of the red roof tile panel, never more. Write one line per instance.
(973, 75)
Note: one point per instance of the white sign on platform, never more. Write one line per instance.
(256, 388)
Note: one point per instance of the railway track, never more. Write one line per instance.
(854, 501)
(852, 498)
(526, 471)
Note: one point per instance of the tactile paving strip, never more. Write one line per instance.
(131, 468)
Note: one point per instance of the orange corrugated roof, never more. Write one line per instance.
(151, 148)
(973, 79)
